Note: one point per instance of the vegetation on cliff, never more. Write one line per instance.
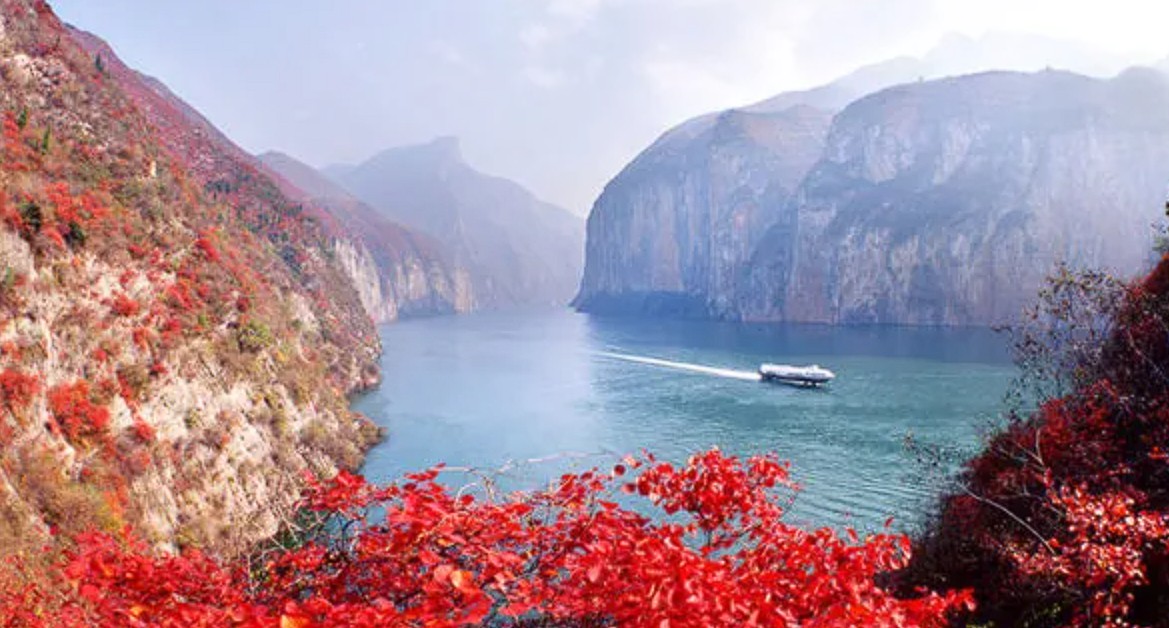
(175, 340)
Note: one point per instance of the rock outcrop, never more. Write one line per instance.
(516, 249)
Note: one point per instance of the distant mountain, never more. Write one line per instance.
(935, 202)
(680, 231)
(397, 272)
(517, 249)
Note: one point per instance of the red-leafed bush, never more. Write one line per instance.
(416, 554)
(123, 305)
(1064, 518)
(143, 431)
(18, 388)
(76, 414)
(207, 247)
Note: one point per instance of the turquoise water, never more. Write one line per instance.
(534, 393)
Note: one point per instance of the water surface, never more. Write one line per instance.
(485, 389)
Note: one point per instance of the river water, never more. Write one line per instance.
(535, 393)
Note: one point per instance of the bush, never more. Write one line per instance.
(718, 555)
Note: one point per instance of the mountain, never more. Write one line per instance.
(947, 202)
(178, 339)
(670, 233)
(397, 272)
(655, 246)
(517, 249)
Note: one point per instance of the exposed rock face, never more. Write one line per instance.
(670, 234)
(948, 202)
(397, 272)
(941, 202)
(516, 249)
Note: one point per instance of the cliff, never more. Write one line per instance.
(936, 202)
(670, 234)
(397, 272)
(177, 338)
(516, 249)
(947, 202)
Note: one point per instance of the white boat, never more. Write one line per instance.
(814, 375)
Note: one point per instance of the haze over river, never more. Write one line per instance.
(485, 389)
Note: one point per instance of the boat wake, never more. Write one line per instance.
(747, 376)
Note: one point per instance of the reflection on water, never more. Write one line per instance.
(484, 389)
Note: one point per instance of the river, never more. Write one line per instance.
(539, 392)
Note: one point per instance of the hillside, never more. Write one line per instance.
(517, 249)
(177, 341)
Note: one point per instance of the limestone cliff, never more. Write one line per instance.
(670, 234)
(935, 202)
(947, 202)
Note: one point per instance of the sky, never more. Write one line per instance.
(556, 94)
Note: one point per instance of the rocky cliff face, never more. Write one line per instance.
(516, 249)
(176, 339)
(939, 202)
(397, 272)
(671, 233)
(947, 202)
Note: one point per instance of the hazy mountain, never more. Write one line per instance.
(517, 249)
(397, 272)
(934, 202)
(947, 202)
(670, 233)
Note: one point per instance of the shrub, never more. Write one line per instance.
(18, 388)
(1063, 518)
(78, 417)
(123, 305)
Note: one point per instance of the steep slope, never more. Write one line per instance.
(669, 235)
(946, 202)
(397, 272)
(176, 342)
(517, 249)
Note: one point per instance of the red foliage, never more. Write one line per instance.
(123, 305)
(204, 244)
(75, 412)
(18, 388)
(1066, 514)
(143, 431)
(568, 555)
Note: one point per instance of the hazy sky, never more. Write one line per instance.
(556, 94)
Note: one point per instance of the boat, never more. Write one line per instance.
(814, 375)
